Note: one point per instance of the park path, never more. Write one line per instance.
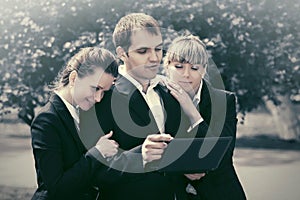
(266, 174)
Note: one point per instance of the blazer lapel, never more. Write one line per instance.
(68, 120)
(205, 102)
(173, 117)
(138, 108)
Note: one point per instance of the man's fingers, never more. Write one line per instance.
(151, 158)
(154, 151)
(160, 137)
(155, 145)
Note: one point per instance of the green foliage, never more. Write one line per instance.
(254, 43)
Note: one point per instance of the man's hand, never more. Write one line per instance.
(154, 146)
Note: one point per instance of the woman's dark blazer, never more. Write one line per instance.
(218, 109)
(64, 167)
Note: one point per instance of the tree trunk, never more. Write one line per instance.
(286, 117)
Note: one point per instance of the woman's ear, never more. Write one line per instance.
(121, 53)
(72, 77)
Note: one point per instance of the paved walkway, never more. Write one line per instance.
(16, 162)
(269, 174)
(266, 174)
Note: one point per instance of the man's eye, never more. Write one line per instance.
(158, 49)
(194, 68)
(142, 51)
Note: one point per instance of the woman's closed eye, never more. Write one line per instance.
(95, 88)
(178, 66)
(195, 67)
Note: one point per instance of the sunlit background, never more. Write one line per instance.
(254, 44)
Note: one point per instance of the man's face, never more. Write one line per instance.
(144, 55)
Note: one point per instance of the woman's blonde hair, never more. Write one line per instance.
(187, 49)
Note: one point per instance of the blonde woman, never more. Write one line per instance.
(211, 112)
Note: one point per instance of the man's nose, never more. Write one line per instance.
(154, 56)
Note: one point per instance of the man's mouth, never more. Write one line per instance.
(152, 66)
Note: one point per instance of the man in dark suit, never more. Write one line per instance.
(212, 113)
(140, 112)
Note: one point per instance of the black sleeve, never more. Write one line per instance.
(50, 158)
(127, 163)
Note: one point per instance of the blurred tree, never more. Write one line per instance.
(254, 43)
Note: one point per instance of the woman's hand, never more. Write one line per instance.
(106, 146)
(184, 100)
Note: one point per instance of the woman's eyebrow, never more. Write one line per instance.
(97, 86)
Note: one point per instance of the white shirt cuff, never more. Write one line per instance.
(195, 124)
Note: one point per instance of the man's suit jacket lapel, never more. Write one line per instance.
(138, 107)
(68, 120)
(172, 111)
